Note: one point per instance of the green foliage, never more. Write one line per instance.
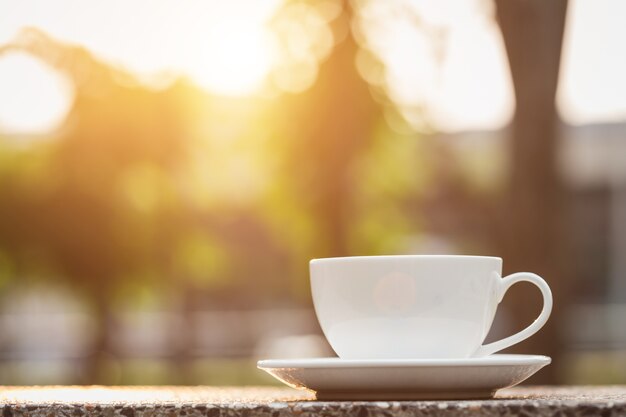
(389, 178)
(201, 260)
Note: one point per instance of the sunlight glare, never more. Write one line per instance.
(235, 61)
(225, 47)
(237, 48)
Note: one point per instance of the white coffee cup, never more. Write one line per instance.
(415, 306)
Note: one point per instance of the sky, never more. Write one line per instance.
(147, 36)
(593, 69)
(448, 73)
(446, 64)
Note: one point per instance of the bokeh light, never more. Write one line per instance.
(304, 39)
(34, 98)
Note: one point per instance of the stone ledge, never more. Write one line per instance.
(581, 401)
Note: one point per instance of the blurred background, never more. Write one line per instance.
(168, 168)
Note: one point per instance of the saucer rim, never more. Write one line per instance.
(502, 359)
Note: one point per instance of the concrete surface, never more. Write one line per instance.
(581, 401)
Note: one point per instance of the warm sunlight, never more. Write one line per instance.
(240, 48)
(169, 168)
(220, 48)
(237, 60)
(444, 62)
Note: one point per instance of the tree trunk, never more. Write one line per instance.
(534, 205)
(96, 361)
(334, 121)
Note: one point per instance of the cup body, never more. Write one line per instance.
(406, 306)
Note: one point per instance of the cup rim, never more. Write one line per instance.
(393, 257)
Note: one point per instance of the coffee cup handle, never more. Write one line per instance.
(503, 286)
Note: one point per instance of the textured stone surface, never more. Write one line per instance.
(277, 402)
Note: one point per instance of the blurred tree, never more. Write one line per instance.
(141, 189)
(533, 214)
(333, 123)
(97, 210)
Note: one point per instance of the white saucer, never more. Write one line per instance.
(400, 379)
